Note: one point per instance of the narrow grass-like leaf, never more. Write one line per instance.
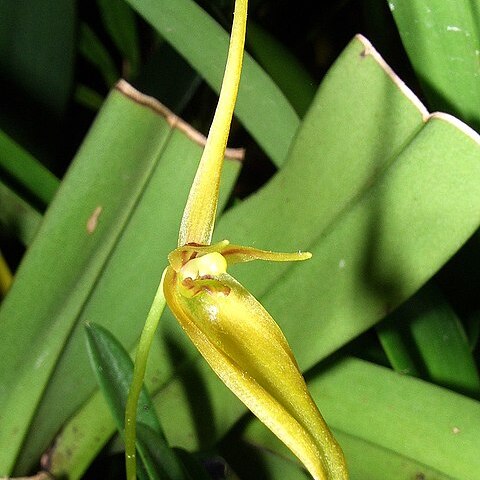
(442, 39)
(114, 370)
(97, 54)
(284, 68)
(119, 20)
(88, 97)
(17, 218)
(261, 107)
(137, 159)
(23, 173)
(425, 338)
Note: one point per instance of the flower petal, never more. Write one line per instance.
(232, 253)
(239, 254)
(248, 351)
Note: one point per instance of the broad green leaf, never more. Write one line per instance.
(261, 106)
(114, 370)
(284, 68)
(442, 40)
(381, 192)
(95, 52)
(137, 158)
(423, 422)
(25, 174)
(366, 460)
(119, 20)
(387, 424)
(425, 338)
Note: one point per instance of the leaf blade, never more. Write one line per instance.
(442, 39)
(267, 115)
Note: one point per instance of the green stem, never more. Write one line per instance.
(141, 358)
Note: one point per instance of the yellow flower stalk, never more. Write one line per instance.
(230, 328)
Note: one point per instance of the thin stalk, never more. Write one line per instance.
(199, 215)
(151, 324)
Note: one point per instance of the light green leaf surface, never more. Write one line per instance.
(381, 192)
(261, 107)
(392, 426)
(415, 419)
(365, 190)
(366, 461)
(425, 338)
(132, 162)
(442, 40)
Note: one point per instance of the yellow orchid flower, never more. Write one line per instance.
(230, 328)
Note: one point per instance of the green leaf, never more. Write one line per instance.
(37, 57)
(366, 460)
(379, 190)
(25, 174)
(425, 338)
(381, 193)
(114, 370)
(261, 106)
(156, 78)
(382, 196)
(442, 39)
(93, 50)
(122, 174)
(37, 51)
(391, 426)
(119, 20)
(17, 218)
(88, 97)
(420, 421)
(284, 68)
